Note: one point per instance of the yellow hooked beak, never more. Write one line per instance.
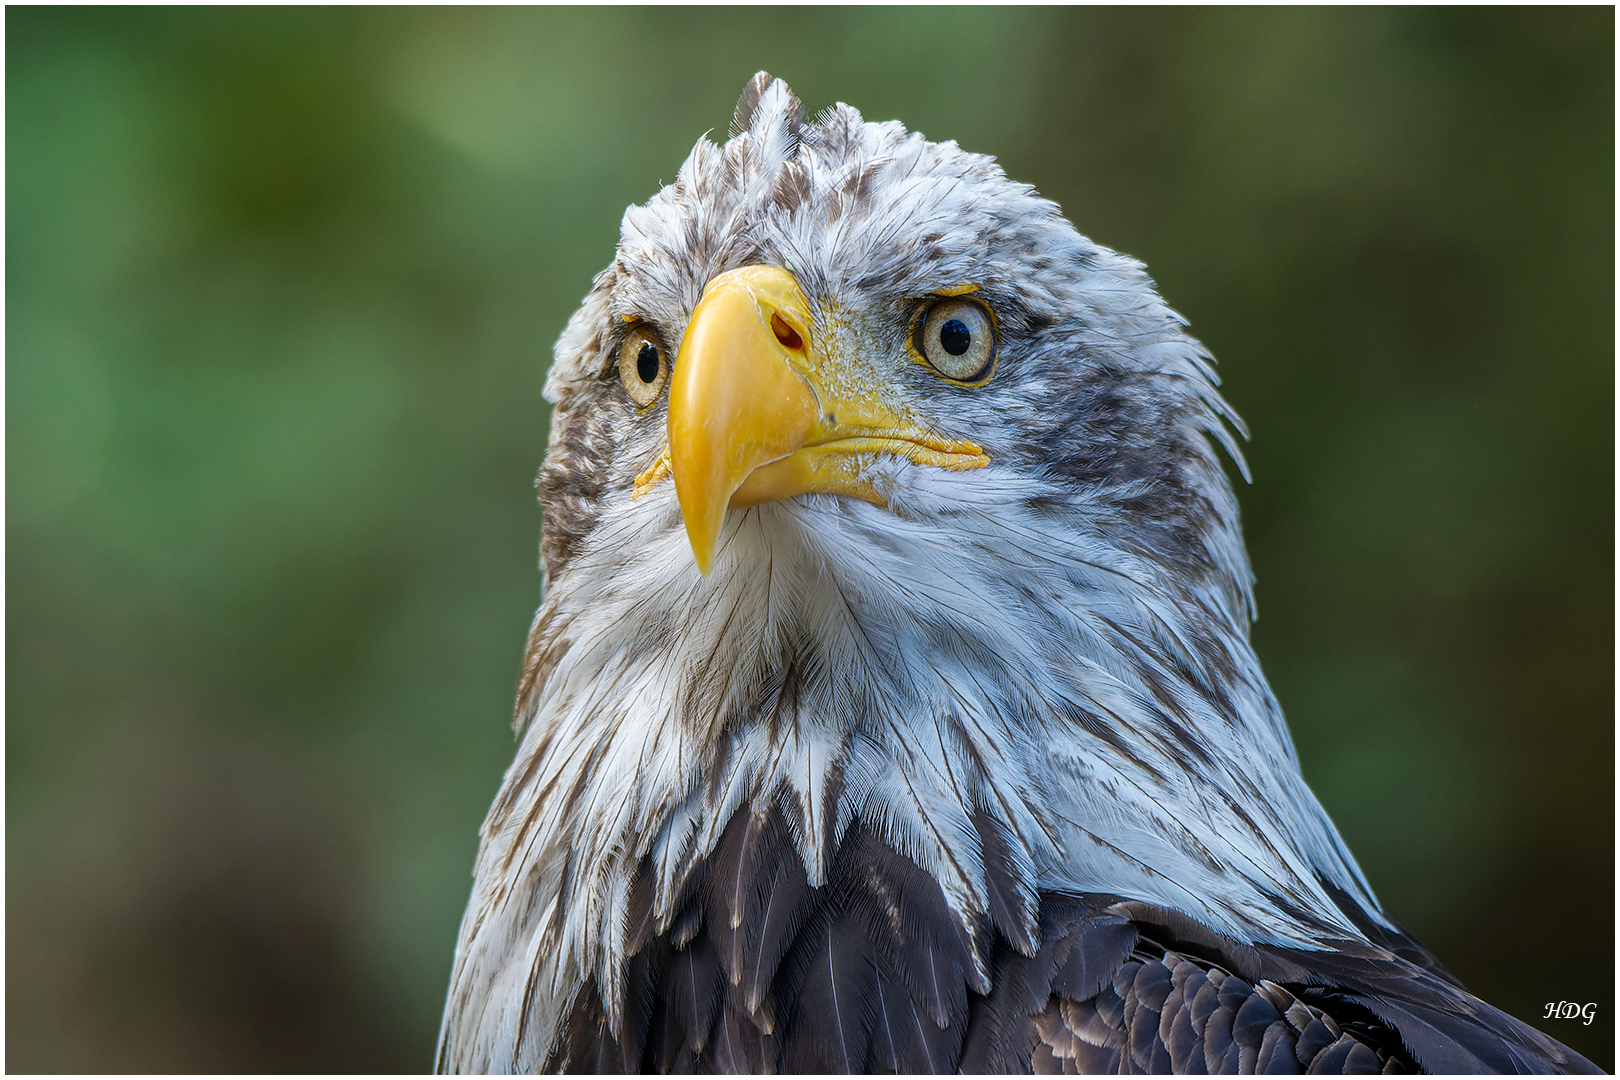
(757, 412)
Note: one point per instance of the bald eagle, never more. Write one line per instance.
(891, 706)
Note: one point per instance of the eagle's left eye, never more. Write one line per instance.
(643, 368)
(958, 339)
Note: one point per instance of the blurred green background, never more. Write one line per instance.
(281, 291)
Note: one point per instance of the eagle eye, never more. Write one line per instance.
(643, 368)
(958, 340)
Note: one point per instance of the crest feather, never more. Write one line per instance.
(769, 111)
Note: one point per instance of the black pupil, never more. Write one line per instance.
(647, 362)
(955, 337)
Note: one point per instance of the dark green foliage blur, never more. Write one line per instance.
(281, 291)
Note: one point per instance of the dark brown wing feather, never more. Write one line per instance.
(757, 971)
(1189, 1001)
(1169, 1014)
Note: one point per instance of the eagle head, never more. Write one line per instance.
(887, 556)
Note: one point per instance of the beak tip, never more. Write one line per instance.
(704, 560)
(703, 525)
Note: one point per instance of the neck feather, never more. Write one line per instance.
(1110, 727)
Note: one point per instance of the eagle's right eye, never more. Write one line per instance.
(642, 367)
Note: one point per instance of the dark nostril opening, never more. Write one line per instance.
(785, 334)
